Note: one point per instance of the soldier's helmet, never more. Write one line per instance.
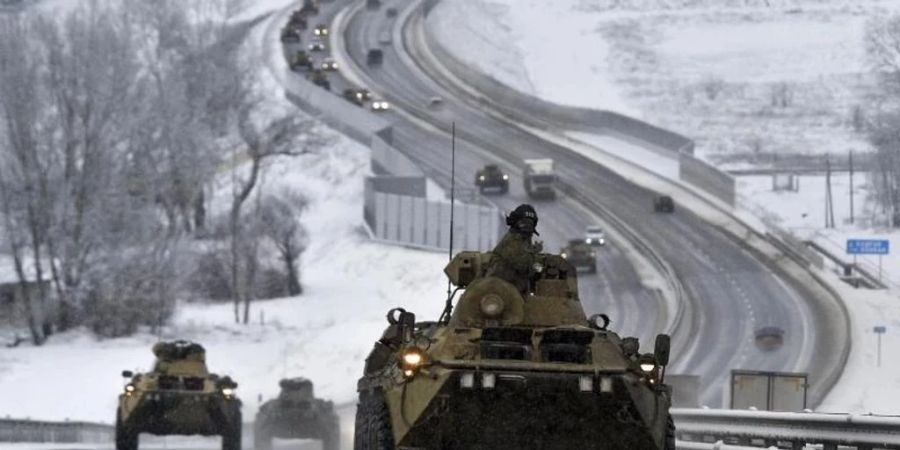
(524, 218)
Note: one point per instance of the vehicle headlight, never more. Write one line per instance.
(593, 254)
(228, 392)
(588, 240)
(492, 306)
(481, 178)
(129, 389)
(506, 177)
(602, 240)
(563, 255)
(648, 367)
(412, 360)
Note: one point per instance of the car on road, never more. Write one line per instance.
(380, 105)
(300, 61)
(581, 255)
(364, 94)
(310, 7)
(373, 4)
(594, 235)
(179, 396)
(321, 30)
(290, 34)
(435, 102)
(374, 57)
(391, 12)
(298, 20)
(329, 64)
(316, 45)
(664, 204)
(769, 338)
(490, 179)
(354, 96)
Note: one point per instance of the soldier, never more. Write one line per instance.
(514, 257)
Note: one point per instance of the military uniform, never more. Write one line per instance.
(514, 257)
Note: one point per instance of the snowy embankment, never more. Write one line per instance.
(325, 334)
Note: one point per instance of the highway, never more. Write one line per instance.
(731, 292)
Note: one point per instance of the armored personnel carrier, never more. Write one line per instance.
(179, 396)
(492, 179)
(296, 414)
(581, 255)
(506, 370)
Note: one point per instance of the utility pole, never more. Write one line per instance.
(851, 186)
(829, 204)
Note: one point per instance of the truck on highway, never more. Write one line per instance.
(540, 178)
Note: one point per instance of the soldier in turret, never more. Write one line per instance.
(514, 257)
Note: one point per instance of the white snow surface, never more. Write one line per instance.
(325, 334)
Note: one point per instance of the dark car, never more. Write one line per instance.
(310, 7)
(769, 338)
(298, 20)
(491, 179)
(373, 4)
(391, 12)
(664, 204)
(375, 57)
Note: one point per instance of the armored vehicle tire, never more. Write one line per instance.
(231, 436)
(670, 433)
(373, 424)
(126, 438)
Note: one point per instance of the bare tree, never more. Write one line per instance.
(883, 50)
(287, 136)
(279, 219)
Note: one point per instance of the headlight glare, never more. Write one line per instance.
(648, 367)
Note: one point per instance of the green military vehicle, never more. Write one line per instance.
(581, 255)
(296, 414)
(179, 396)
(301, 61)
(319, 78)
(510, 371)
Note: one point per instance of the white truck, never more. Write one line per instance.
(540, 178)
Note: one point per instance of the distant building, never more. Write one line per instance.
(12, 299)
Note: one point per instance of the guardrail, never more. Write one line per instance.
(14, 430)
(791, 430)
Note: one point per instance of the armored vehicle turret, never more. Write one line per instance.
(512, 370)
(296, 414)
(179, 396)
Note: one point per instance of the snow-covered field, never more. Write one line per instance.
(325, 334)
(745, 79)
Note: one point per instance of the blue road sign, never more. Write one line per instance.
(868, 246)
(879, 330)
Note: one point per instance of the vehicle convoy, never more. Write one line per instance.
(504, 370)
(594, 235)
(540, 178)
(179, 396)
(296, 414)
(581, 255)
(491, 179)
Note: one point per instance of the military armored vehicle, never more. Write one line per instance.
(492, 179)
(298, 20)
(319, 78)
(296, 414)
(301, 61)
(503, 370)
(581, 255)
(179, 396)
(310, 7)
(290, 34)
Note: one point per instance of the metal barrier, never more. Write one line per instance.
(12, 430)
(791, 430)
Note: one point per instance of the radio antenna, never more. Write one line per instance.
(448, 308)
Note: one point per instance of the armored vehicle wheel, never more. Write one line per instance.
(126, 438)
(373, 424)
(231, 437)
(670, 434)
